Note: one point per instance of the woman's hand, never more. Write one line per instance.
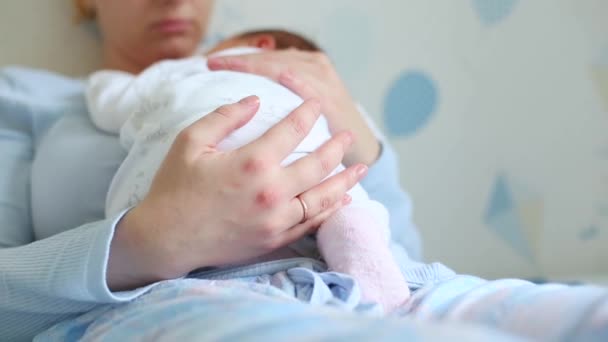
(311, 75)
(209, 208)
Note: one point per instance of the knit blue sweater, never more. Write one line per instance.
(55, 169)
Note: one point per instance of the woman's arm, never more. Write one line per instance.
(46, 281)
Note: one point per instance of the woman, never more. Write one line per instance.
(61, 259)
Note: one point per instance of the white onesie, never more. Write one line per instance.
(150, 109)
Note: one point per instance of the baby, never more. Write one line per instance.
(150, 109)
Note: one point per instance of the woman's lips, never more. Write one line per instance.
(172, 26)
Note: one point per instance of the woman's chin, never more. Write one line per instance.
(176, 48)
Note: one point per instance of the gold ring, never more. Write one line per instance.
(304, 209)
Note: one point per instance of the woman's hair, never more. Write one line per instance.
(84, 11)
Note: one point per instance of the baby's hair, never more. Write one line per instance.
(84, 12)
(284, 39)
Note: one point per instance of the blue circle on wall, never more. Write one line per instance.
(410, 103)
(492, 12)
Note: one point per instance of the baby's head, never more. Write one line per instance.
(267, 40)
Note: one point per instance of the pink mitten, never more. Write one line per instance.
(355, 241)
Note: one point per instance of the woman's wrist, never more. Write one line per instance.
(135, 257)
(366, 147)
(365, 152)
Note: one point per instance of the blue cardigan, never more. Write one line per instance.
(55, 170)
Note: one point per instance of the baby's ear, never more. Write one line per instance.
(264, 41)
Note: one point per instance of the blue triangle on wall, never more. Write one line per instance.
(492, 12)
(502, 217)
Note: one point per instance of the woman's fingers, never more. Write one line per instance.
(215, 126)
(272, 64)
(257, 63)
(279, 141)
(325, 195)
(310, 170)
(312, 224)
(293, 82)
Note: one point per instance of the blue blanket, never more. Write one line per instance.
(236, 310)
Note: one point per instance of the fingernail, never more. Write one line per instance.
(250, 101)
(361, 171)
(347, 199)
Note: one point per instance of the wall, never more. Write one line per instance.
(498, 109)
